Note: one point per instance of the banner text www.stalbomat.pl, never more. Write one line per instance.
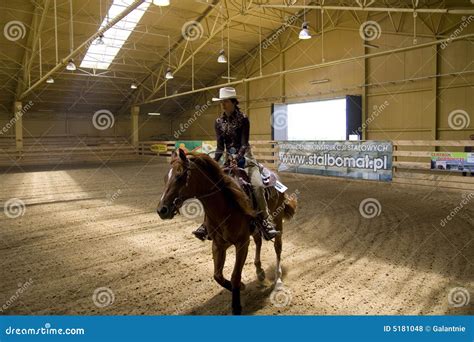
(329, 160)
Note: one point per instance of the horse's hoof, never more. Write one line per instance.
(261, 275)
(237, 311)
(278, 284)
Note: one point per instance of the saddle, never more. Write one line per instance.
(269, 180)
(243, 180)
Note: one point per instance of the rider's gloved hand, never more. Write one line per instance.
(241, 162)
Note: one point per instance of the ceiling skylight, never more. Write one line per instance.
(100, 56)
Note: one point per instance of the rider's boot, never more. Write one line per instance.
(268, 228)
(201, 233)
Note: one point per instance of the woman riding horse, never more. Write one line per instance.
(232, 133)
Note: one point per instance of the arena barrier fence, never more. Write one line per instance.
(411, 160)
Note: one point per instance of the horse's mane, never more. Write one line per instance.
(225, 183)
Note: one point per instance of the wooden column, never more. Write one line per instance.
(135, 112)
(364, 93)
(18, 115)
(435, 93)
(282, 78)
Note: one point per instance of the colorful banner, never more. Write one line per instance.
(189, 145)
(205, 146)
(238, 329)
(159, 148)
(352, 159)
(453, 161)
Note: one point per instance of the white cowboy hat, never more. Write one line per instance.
(226, 93)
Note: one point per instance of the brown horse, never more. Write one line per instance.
(228, 213)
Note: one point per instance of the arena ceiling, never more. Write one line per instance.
(37, 36)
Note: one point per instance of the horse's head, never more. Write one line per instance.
(176, 184)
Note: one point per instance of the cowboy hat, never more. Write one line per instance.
(226, 93)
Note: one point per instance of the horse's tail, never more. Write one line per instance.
(290, 206)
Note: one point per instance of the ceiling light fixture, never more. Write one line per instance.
(304, 33)
(169, 74)
(100, 40)
(50, 80)
(222, 58)
(154, 114)
(70, 65)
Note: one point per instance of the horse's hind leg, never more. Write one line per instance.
(241, 251)
(258, 264)
(219, 254)
(278, 249)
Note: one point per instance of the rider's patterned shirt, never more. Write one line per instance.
(232, 131)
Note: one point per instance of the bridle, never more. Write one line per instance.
(178, 200)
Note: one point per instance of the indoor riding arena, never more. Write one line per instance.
(336, 134)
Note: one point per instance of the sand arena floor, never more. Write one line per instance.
(89, 228)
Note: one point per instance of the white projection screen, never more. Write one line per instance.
(318, 120)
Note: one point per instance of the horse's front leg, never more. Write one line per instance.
(278, 249)
(219, 254)
(257, 262)
(241, 251)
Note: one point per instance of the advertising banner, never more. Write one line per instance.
(352, 159)
(189, 145)
(159, 148)
(453, 161)
(199, 146)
